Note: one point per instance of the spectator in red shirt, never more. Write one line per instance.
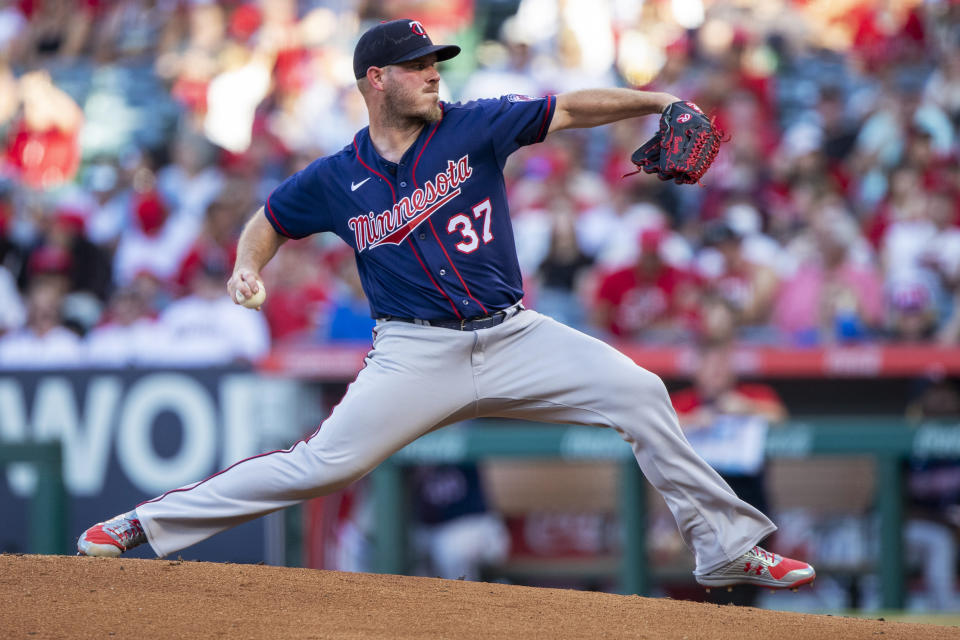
(43, 144)
(300, 291)
(717, 391)
(650, 299)
(216, 243)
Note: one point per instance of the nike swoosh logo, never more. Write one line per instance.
(357, 185)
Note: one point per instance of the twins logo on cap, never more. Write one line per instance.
(417, 28)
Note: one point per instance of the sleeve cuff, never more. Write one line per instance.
(547, 118)
(272, 219)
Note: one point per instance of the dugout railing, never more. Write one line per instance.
(48, 505)
(889, 441)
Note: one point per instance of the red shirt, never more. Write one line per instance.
(641, 301)
(45, 159)
(689, 400)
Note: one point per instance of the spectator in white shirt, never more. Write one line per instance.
(129, 334)
(207, 328)
(43, 342)
(192, 182)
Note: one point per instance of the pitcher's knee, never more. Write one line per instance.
(637, 398)
(642, 408)
(645, 386)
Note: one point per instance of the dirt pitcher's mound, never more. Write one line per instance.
(70, 597)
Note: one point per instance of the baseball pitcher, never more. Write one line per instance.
(419, 195)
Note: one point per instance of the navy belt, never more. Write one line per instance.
(464, 324)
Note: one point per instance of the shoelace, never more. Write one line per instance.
(765, 555)
(126, 532)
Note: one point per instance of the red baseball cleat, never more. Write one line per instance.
(113, 537)
(762, 568)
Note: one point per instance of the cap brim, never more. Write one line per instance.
(443, 51)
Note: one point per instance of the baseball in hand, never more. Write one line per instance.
(254, 301)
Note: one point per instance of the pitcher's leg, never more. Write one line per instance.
(392, 402)
(566, 376)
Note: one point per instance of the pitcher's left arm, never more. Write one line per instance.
(595, 107)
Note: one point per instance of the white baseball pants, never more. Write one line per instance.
(419, 378)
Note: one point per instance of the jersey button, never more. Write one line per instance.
(403, 184)
(465, 302)
(443, 272)
(423, 236)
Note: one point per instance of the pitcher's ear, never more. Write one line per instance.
(375, 77)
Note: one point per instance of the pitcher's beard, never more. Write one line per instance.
(433, 115)
(400, 115)
(403, 120)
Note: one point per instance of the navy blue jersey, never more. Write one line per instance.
(432, 233)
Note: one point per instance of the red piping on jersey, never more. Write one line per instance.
(541, 132)
(392, 192)
(432, 281)
(261, 455)
(277, 222)
(444, 249)
(413, 176)
(417, 161)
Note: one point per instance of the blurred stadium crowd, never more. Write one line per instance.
(139, 135)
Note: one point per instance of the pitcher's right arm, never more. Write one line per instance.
(258, 244)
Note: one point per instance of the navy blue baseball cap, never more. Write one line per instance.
(396, 41)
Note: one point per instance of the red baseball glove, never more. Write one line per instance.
(683, 148)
